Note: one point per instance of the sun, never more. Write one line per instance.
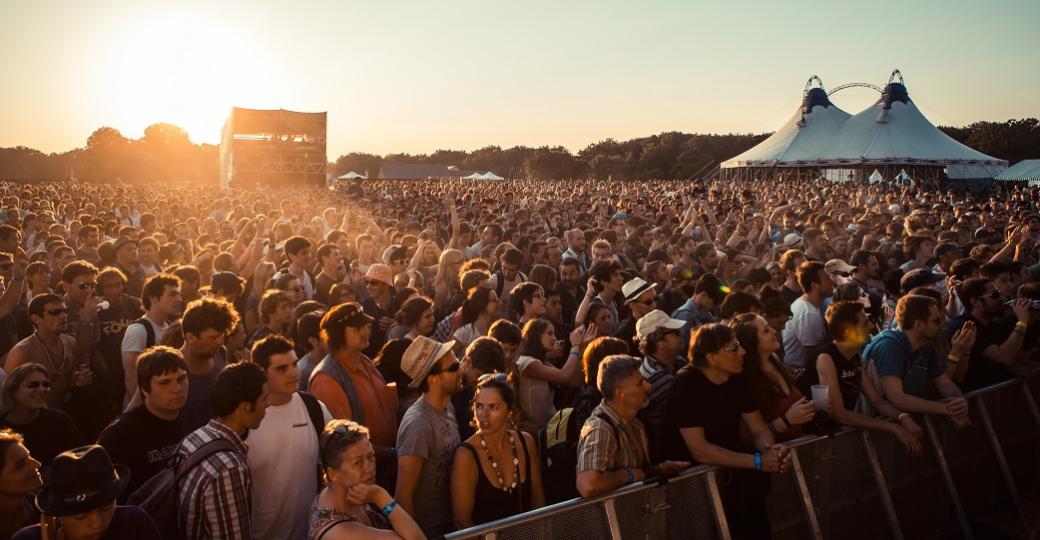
(184, 67)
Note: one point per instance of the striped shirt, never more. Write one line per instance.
(609, 443)
(213, 498)
(654, 415)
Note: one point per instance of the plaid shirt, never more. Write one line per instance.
(599, 448)
(213, 498)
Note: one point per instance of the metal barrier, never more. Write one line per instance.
(970, 482)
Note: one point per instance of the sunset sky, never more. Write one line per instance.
(419, 76)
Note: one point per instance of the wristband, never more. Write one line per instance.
(901, 416)
(953, 358)
(631, 476)
(1022, 324)
(786, 421)
(389, 508)
(758, 461)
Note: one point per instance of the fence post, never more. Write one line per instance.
(951, 488)
(1030, 402)
(882, 485)
(803, 490)
(716, 505)
(1005, 471)
(612, 522)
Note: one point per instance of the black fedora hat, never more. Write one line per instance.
(81, 480)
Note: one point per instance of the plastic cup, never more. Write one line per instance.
(821, 397)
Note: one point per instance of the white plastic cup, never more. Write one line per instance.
(821, 397)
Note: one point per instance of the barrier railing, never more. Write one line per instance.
(970, 482)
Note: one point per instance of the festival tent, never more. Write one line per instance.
(1027, 170)
(474, 176)
(800, 140)
(894, 133)
(492, 176)
(352, 176)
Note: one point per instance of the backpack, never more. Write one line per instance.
(149, 331)
(558, 448)
(159, 495)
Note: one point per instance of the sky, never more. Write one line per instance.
(402, 76)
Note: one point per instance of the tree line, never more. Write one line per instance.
(166, 154)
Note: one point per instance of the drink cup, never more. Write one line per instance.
(821, 397)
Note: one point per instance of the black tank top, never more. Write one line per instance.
(490, 502)
(848, 371)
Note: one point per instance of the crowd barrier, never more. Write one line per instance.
(975, 482)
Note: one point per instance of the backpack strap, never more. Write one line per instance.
(314, 411)
(500, 282)
(149, 331)
(201, 453)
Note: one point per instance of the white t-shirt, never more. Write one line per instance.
(135, 339)
(806, 329)
(283, 463)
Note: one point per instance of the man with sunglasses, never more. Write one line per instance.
(80, 281)
(641, 298)
(428, 435)
(50, 348)
(998, 338)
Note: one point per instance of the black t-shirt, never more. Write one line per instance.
(144, 442)
(112, 323)
(49, 434)
(981, 370)
(848, 370)
(695, 401)
(627, 332)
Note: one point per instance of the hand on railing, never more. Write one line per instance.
(668, 469)
(910, 441)
(957, 410)
(776, 459)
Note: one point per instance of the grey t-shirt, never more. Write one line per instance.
(432, 435)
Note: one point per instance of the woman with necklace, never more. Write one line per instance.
(47, 432)
(496, 472)
(352, 505)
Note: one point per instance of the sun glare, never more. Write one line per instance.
(184, 68)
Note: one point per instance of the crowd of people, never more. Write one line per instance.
(407, 359)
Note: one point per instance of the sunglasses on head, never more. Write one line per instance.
(337, 431)
(496, 376)
(32, 385)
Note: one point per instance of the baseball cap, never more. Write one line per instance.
(655, 320)
(919, 278)
(228, 282)
(838, 266)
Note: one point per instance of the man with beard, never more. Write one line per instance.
(570, 288)
(990, 357)
(332, 272)
(904, 359)
(52, 349)
(428, 435)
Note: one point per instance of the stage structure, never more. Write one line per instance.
(891, 138)
(273, 148)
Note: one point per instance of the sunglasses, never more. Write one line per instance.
(649, 302)
(57, 311)
(497, 377)
(450, 369)
(732, 348)
(32, 385)
(86, 285)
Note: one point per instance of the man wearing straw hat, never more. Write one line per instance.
(428, 435)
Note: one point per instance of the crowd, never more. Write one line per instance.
(406, 359)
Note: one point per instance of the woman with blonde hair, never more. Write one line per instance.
(258, 284)
(446, 281)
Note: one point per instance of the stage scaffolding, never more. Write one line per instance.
(273, 148)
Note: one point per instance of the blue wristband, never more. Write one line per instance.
(758, 461)
(389, 508)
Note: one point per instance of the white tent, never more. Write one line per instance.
(352, 176)
(1027, 170)
(893, 132)
(801, 138)
(474, 176)
(492, 176)
(876, 178)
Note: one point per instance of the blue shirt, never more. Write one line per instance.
(890, 354)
